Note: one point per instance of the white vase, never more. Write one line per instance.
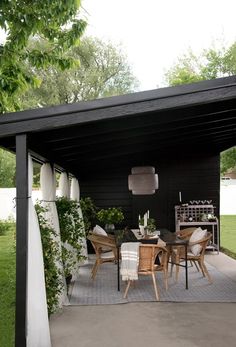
(109, 228)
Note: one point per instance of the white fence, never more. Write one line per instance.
(7, 200)
(228, 197)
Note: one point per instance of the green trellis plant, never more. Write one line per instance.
(51, 256)
(72, 233)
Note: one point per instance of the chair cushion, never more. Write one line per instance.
(197, 235)
(99, 230)
(107, 255)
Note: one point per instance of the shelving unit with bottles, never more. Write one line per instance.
(198, 215)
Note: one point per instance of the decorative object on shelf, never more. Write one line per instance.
(200, 202)
(143, 180)
(211, 217)
(203, 217)
(110, 216)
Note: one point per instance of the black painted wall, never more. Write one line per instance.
(197, 178)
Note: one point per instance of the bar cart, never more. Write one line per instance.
(200, 216)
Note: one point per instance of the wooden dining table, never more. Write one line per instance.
(171, 240)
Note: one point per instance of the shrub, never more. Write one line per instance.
(51, 255)
(111, 215)
(6, 225)
(89, 211)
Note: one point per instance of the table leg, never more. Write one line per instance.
(118, 270)
(186, 265)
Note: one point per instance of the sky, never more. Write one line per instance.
(155, 33)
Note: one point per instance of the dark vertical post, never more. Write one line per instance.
(217, 212)
(21, 239)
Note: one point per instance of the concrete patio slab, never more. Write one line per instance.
(140, 324)
(149, 323)
(222, 263)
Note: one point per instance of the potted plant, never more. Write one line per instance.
(110, 216)
(151, 226)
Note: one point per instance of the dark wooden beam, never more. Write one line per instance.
(217, 86)
(174, 102)
(116, 135)
(102, 144)
(190, 115)
(21, 239)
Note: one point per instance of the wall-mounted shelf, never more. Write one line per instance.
(197, 215)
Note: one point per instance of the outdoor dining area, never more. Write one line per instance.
(149, 262)
(176, 136)
(128, 266)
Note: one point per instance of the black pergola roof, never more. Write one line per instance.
(130, 129)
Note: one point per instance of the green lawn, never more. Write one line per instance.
(7, 289)
(228, 234)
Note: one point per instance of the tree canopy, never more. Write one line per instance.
(211, 63)
(228, 160)
(7, 169)
(103, 71)
(55, 21)
(40, 62)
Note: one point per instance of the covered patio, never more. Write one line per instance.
(180, 131)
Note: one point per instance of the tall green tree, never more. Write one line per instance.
(228, 160)
(103, 72)
(7, 169)
(211, 63)
(55, 21)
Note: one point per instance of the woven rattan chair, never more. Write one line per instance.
(185, 233)
(105, 249)
(178, 256)
(147, 266)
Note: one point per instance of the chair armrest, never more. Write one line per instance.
(162, 248)
(102, 240)
(111, 237)
(185, 234)
(205, 239)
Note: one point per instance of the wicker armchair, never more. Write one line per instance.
(178, 255)
(105, 249)
(147, 266)
(185, 233)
